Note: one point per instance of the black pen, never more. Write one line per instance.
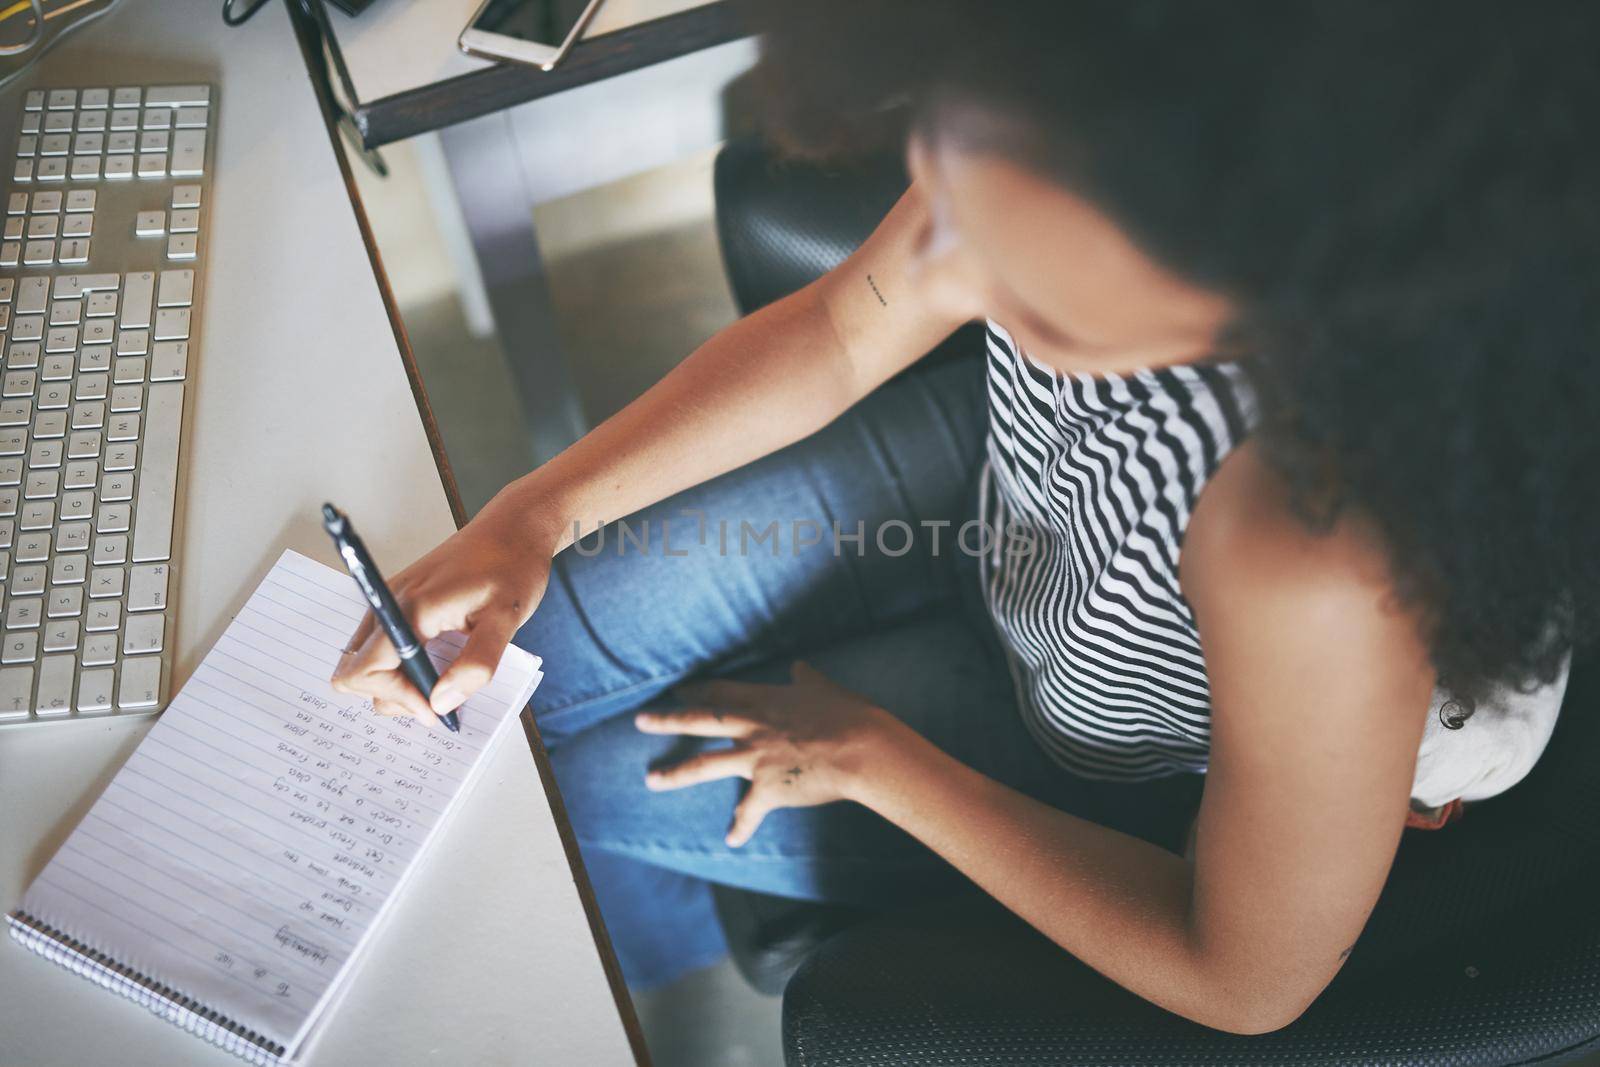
(413, 657)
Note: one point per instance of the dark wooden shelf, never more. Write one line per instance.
(445, 103)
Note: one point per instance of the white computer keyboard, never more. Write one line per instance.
(99, 287)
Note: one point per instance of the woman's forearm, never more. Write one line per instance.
(1120, 904)
(763, 382)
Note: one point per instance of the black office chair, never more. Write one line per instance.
(1483, 950)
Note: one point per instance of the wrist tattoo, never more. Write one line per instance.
(876, 292)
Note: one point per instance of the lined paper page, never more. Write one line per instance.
(260, 830)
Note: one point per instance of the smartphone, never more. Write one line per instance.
(535, 32)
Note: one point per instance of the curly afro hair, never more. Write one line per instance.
(1403, 198)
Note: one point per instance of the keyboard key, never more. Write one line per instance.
(85, 168)
(110, 549)
(116, 487)
(150, 223)
(188, 153)
(26, 581)
(80, 200)
(158, 478)
(55, 686)
(78, 504)
(90, 416)
(72, 286)
(157, 118)
(18, 204)
(176, 288)
(122, 143)
(140, 686)
(151, 165)
(189, 118)
(23, 355)
(75, 250)
(99, 649)
(61, 635)
(125, 119)
(92, 121)
(95, 98)
(53, 395)
(41, 485)
(68, 570)
(16, 692)
(158, 140)
(105, 582)
(119, 168)
(101, 305)
(177, 96)
(169, 361)
(59, 122)
(62, 99)
(91, 387)
(39, 253)
(181, 246)
(64, 602)
(147, 586)
(32, 547)
(185, 196)
(129, 371)
(94, 688)
(44, 455)
(172, 324)
(38, 515)
(73, 537)
(127, 398)
(127, 97)
(133, 342)
(142, 635)
(10, 253)
(34, 100)
(137, 292)
(77, 225)
(102, 617)
(51, 170)
(21, 646)
(112, 518)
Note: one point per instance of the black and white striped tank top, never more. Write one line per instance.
(1091, 481)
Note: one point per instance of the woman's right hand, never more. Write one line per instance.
(484, 580)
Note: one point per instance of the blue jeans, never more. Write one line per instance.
(897, 617)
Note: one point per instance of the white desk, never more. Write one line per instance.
(302, 396)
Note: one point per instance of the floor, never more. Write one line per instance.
(650, 238)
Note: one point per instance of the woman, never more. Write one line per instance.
(1284, 441)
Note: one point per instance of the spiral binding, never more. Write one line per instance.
(61, 948)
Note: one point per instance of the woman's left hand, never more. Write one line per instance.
(799, 745)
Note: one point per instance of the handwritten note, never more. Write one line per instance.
(248, 849)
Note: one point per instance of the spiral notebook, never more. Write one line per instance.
(240, 863)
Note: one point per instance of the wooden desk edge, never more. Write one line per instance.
(307, 35)
(469, 96)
